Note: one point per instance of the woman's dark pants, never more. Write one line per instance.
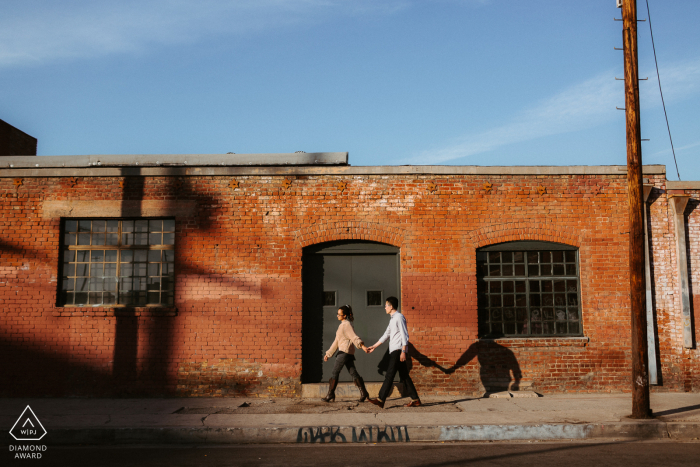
(345, 360)
(395, 364)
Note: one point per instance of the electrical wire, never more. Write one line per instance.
(661, 92)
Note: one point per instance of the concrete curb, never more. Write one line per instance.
(644, 430)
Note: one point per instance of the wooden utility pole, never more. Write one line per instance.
(640, 374)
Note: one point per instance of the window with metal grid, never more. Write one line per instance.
(528, 289)
(124, 262)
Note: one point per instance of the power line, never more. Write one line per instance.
(661, 92)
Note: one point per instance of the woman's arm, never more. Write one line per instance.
(349, 332)
(331, 351)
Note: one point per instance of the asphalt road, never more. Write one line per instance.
(540, 454)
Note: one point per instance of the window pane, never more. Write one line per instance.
(154, 283)
(155, 238)
(168, 239)
(81, 298)
(153, 269)
(112, 226)
(97, 255)
(155, 225)
(169, 225)
(110, 270)
(141, 239)
(154, 255)
(374, 298)
(84, 239)
(71, 226)
(98, 226)
(140, 256)
(141, 226)
(111, 256)
(84, 226)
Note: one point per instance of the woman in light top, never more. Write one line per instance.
(345, 342)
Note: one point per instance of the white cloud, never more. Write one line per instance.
(35, 31)
(579, 107)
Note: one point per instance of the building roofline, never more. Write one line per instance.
(291, 170)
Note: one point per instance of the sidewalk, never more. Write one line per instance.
(230, 421)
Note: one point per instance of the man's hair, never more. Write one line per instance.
(394, 302)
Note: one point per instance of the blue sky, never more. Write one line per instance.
(467, 82)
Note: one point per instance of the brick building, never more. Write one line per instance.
(220, 275)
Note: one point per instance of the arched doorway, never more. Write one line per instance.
(361, 274)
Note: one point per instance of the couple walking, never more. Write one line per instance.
(345, 342)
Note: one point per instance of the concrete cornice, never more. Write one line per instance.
(169, 168)
(682, 185)
(175, 160)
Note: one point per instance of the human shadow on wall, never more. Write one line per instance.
(498, 368)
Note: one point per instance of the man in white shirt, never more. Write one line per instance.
(397, 334)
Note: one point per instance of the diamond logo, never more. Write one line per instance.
(28, 427)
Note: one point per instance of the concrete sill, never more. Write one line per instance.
(539, 341)
(114, 311)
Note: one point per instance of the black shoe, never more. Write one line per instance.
(363, 390)
(332, 384)
(378, 402)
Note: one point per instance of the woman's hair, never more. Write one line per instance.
(347, 311)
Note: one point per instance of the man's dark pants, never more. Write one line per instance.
(395, 364)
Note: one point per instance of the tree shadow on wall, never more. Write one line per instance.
(498, 368)
(690, 207)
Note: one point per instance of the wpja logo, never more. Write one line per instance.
(28, 428)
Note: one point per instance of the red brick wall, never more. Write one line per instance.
(236, 325)
(14, 142)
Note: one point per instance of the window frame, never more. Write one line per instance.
(61, 301)
(525, 247)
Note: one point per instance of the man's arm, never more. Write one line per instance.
(381, 339)
(403, 332)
